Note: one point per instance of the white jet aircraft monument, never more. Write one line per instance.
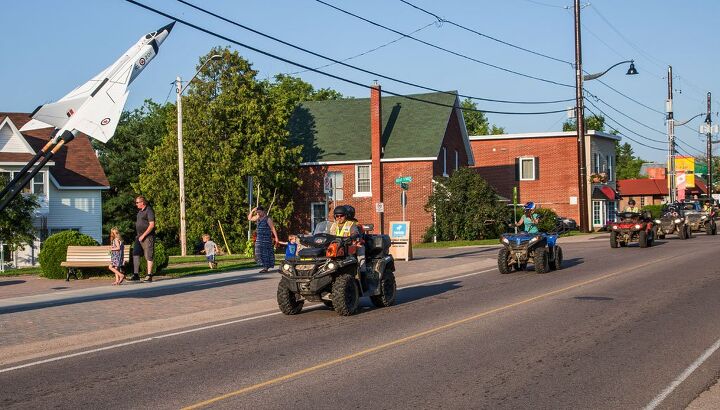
(93, 108)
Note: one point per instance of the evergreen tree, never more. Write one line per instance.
(16, 220)
(627, 164)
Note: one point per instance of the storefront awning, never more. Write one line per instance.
(605, 193)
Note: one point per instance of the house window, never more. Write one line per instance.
(611, 210)
(597, 213)
(457, 160)
(445, 162)
(596, 165)
(642, 201)
(610, 167)
(56, 230)
(336, 178)
(362, 180)
(318, 213)
(527, 169)
(38, 185)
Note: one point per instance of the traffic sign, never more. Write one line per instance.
(402, 180)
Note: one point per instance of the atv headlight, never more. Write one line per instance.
(657, 221)
(286, 268)
(505, 240)
(615, 227)
(637, 226)
(331, 266)
(703, 217)
(677, 221)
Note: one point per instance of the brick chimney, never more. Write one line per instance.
(376, 174)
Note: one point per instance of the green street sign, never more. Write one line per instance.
(403, 180)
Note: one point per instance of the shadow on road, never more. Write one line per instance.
(140, 290)
(11, 282)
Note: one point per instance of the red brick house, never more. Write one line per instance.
(363, 145)
(544, 167)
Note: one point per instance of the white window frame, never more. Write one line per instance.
(359, 193)
(520, 171)
(337, 190)
(31, 185)
(444, 161)
(312, 213)
(610, 160)
(457, 160)
(598, 210)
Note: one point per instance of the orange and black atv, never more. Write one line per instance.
(633, 227)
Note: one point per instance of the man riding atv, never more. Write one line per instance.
(673, 221)
(631, 207)
(700, 217)
(633, 226)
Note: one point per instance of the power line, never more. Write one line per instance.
(355, 67)
(485, 35)
(445, 49)
(621, 133)
(285, 60)
(623, 114)
(621, 125)
(372, 49)
(630, 98)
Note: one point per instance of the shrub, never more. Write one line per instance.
(548, 218)
(54, 251)
(160, 260)
(655, 210)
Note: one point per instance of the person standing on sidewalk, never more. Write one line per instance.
(145, 241)
(266, 238)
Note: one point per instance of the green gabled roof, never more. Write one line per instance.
(339, 130)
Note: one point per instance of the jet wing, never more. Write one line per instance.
(56, 114)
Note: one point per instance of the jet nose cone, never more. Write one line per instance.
(163, 32)
(168, 27)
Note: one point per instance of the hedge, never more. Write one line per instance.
(54, 251)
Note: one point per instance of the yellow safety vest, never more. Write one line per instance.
(343, 230)
(632, 209)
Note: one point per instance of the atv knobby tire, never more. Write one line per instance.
(287, 300)
(502, 261)
(709, 227)
(661, 236)
(689, 232)
(643, 239)
(345, 295)
(540, 258)
(388, 289)
(556, 263)
(613, 240)
(682, 232)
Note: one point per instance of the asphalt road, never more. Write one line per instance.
(614, 329)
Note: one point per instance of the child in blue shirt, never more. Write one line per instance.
(290, 247)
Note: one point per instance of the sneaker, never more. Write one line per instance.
(133, 278)
(148, 278)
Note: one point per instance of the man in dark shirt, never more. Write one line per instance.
(145, 241)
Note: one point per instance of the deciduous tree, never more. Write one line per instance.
(476, 122)
(16, 220)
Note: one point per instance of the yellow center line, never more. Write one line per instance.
(411, 337)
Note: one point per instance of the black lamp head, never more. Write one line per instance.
(632, 70)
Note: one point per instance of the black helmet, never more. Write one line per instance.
(340, 210)
(631, 202)
(350, 211)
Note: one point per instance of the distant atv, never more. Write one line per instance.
(633, 227)
(327, 271)
(519, 249)
(673, 222)
(698, 219)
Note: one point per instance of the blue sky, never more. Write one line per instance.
(51, 47)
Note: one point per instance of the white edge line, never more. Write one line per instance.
(697, 363)
(197, 329)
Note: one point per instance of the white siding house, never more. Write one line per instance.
(68, 188)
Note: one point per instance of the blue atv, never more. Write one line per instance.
(540, 249)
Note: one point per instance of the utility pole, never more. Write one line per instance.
(708, 122)
(671, 137)
(580, 115)
(181, 167)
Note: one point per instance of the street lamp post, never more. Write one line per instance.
(580, 115)
(179, 89)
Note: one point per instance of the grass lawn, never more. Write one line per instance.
(35, 270)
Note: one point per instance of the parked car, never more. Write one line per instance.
(568, 224)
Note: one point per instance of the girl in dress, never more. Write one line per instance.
(117, 253)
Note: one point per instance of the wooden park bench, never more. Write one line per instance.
(79, 257)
